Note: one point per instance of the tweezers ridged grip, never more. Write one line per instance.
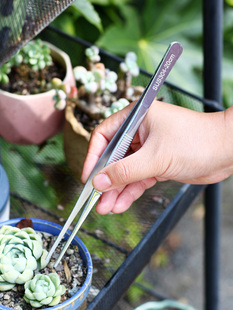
(121, 149)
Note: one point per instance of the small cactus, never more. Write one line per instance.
(44, 290)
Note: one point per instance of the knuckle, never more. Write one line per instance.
(123, 172)
(95, 132)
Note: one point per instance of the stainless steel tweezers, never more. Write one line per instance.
(118, 146)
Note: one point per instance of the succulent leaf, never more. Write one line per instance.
(5, 286)
(92, 54)
(44, 290)
(21, 253)
(116, 106)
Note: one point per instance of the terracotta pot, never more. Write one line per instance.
(76, 140)
(31, 119)
(78, 300)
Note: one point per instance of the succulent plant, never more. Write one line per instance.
(130, 64)
(44, 290)
(21, 252)
(88, 78)
(116, 106)
(92, 54)
(127, 70)
(109, 81)
(60, 99)
(35, 53)
(100, 92)
(4, 71)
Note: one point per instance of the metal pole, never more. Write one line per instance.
(212, 29)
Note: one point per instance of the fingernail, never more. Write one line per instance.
(101, 182)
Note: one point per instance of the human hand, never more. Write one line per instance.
(172, 143)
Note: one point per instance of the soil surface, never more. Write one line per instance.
(182, 276)
(24, 81)
(71, 271)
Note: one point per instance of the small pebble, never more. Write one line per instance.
(5, 302)
(60, 207)
(70, 251)
(6, 297)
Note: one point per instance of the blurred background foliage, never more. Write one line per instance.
(147, 27)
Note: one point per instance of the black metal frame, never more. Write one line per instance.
(212, 50)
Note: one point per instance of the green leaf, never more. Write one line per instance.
(110, 2)
(23, 165)
(150, 37)
(88, 11)
(229, 2)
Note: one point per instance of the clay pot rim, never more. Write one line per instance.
(74, 123)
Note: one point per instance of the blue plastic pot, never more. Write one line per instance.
(4, 196)
(75, 302)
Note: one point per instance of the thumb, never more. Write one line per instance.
(128, 170)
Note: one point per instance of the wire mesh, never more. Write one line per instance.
(21, 21)
(109, 238)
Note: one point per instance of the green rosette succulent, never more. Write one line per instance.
(44, 290)
(21, 252)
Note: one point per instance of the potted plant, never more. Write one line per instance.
(99, 92)
(27, 111)
(25, 276)
(165, 304)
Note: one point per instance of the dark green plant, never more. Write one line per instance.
(81, 11)
(28, 174)
(147, 27)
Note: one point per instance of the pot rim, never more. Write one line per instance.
(5, 188)
(89, 265)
